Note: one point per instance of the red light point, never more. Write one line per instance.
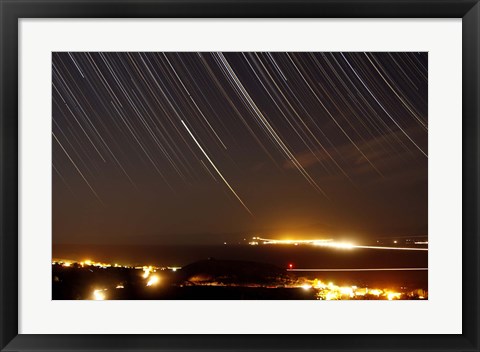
(290, 266)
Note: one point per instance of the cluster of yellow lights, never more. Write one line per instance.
(326, 291)
(147, 270)
(100, 294)
(330, 291)
(147, 274)
(87, 262)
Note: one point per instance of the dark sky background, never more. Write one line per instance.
(157, 148)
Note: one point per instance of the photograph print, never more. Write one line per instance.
(240, 176)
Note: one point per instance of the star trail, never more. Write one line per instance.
(184, 146)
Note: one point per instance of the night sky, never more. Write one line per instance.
(156, 148)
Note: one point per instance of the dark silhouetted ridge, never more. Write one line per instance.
(233, 272)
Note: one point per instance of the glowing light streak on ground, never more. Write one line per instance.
(366, 269)
(330, 243)
(218, 171)
(338, 245)
(392, 248)
(273, 241)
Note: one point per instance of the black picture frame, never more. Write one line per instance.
(13, 10)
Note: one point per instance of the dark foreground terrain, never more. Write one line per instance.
(208, 280)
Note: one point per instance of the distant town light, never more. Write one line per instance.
(331, 296)
(146, 272)
(154, 279)
(393, 295)
(99, 295)
(347, 291)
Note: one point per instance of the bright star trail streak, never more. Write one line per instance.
(216, 169)
(167, 145)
